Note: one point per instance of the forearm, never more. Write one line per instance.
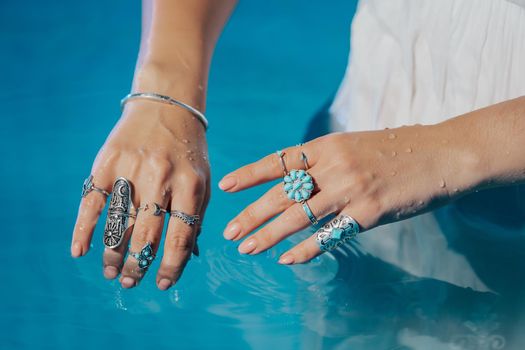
(177, 43)
(491, 144)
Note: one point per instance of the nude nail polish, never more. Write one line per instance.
(232, 230)
(247, 247)
(227, 183)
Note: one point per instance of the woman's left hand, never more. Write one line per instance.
(376, 177)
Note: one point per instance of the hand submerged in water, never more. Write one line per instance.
(161, 150)
(376, 177)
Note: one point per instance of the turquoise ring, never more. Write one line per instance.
(309, 214)
(336, 232)
(144, 257)
(297, 183)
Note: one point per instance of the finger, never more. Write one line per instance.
(91, 206)
(268, 168)
(202, 213)
(289, 222)
(188, 198)
(147, 230)
(113, 258)
(257, 213)
(309, 248)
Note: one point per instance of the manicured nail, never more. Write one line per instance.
(286, 259)
(128, 282)
(227, 183)
(232, 230)
(110, 272)
(76, 250)
(164, 284)
(247, 246)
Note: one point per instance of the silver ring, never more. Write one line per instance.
(186, 218)
(336, 232)
(157, 209)
(309, 213)
(280, 154)
(144, 257)
(118, 213)
(89, 186)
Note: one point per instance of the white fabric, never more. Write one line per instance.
(423, 61)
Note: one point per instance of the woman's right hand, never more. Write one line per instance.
(162, 151)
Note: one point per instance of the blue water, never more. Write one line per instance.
(63, 68)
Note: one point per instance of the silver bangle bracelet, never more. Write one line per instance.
(165, 99)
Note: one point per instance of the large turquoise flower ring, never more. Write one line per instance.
(298, 185)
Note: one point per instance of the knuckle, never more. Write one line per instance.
(180, 243)
(161, 164)
(191, 180)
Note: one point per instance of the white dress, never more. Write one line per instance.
(424, 61)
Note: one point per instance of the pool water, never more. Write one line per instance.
(64, 67)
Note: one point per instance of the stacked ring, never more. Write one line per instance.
(157, 209)
(309, 213)
(118, 213)
(186, 218)
(336, 232)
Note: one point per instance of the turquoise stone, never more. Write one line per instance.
(298, 196)
(291, 194)
(337, 233)
(305, 194)
(308, 186)
(297, 185)
(143, 263)
(300, 174)
(293, 174)
(307, 178)
(288, 186)
(288, 179)
(147, 252)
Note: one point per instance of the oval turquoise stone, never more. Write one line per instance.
(307, 178)
(297, 185)
(288, 187)
(308, 186)
(146, 252)
(305, 194)
(291, 194)
(300, 174)
(298, 196)
(143, 263)
(293, 174)
(287, 179)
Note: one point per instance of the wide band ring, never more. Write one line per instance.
(157, 209)
(309, 214)
(336, 232)
(119, 212)
(89, 186)
(189, 220)
(298, 184)
(145, 257)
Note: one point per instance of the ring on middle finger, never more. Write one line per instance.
(298, 184)
(157, 209)
(119, 212)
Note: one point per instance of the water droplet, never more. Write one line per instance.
(189, 151)
(191, 158)
(204, 158)
(442, 183)
(420, 202)
(408, 150)
(394, 153)
(456, 190)
(185, 141)
(391, 136)
(393, 173)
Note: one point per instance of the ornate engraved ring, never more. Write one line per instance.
(336, 232)
(157, 209)
(119, 212)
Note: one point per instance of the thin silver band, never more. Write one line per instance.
(165, 99)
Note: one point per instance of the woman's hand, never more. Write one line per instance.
(162, 151)
(375, 177)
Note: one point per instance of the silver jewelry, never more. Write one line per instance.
(157, 209)
(165, 99)
(309, 213)
(297, 184)
(144, 257)
(186, 218)
(336, 232)
(89, 186)
(118, 213)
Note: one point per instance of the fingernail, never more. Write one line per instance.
(76, 250)
(128, 282)
(247, 247)
(227, 183)
(164, 284)
(232, 230)
(286, 259)
(110, 272)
